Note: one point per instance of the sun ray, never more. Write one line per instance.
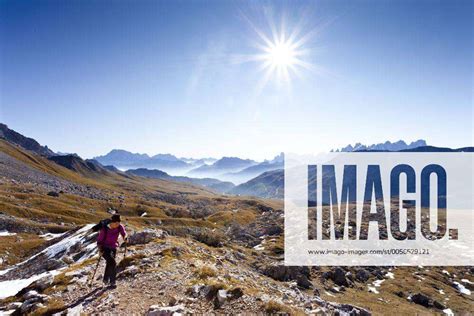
(283, 51)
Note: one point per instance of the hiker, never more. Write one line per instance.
(107, 242)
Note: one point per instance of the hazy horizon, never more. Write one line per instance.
(234, 78)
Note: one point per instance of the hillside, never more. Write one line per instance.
(267, 185)
(191, 251)
(24, 142)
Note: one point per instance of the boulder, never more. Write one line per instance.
(221, 297)
(144, 236)
(44, 282)
(422, 299)
(67, 259)
(30, 305)
(439, 305)
(30, 294)
(14, 305)
(285, 273)
(235, 293)
(339, 277)
(157, 310)
(303, 281)
(362, 275)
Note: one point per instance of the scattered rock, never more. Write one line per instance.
(44, 282)
(426, 301)
(236, 293)
(303, 281)
(339, 277)
(285, 273)
(144, 236)
(156, 310)
(221, 297)
(362, 275)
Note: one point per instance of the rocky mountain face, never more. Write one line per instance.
(24, 142)
(77, 164)
(387, 146)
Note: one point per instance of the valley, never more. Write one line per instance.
(192, 249)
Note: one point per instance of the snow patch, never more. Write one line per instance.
(377, 283)
(64, 244)
(390, 275)
(5, 233)
(49, 236)
(461, 288)
(448, 312)
(5, 271)
(467, 281)
(259, 247)
(373, 289)
(11, 287)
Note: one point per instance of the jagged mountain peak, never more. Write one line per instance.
(385, 146)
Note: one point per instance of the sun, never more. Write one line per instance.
(285, 48)
(281, 55)
(282, 58)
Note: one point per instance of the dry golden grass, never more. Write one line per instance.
(53, 306)
(16, 248)
(205, 272)
(273, 307)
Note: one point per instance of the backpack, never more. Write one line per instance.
(100, 225)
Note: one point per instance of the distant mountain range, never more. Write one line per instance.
(270, 184)
(387, 146)
(214, 184)
(227, 169)
(123, 159)
(222, 166)
(255, 170)
(263, 179)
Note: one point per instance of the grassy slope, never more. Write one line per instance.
(171, 203)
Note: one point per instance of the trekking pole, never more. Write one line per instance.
(95, 270)
(125, 250)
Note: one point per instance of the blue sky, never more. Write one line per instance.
(174, 76)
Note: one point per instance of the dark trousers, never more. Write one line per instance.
(111, 265)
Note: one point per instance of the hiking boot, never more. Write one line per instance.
(112, 286)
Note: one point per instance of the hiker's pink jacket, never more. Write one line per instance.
(108, 237)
